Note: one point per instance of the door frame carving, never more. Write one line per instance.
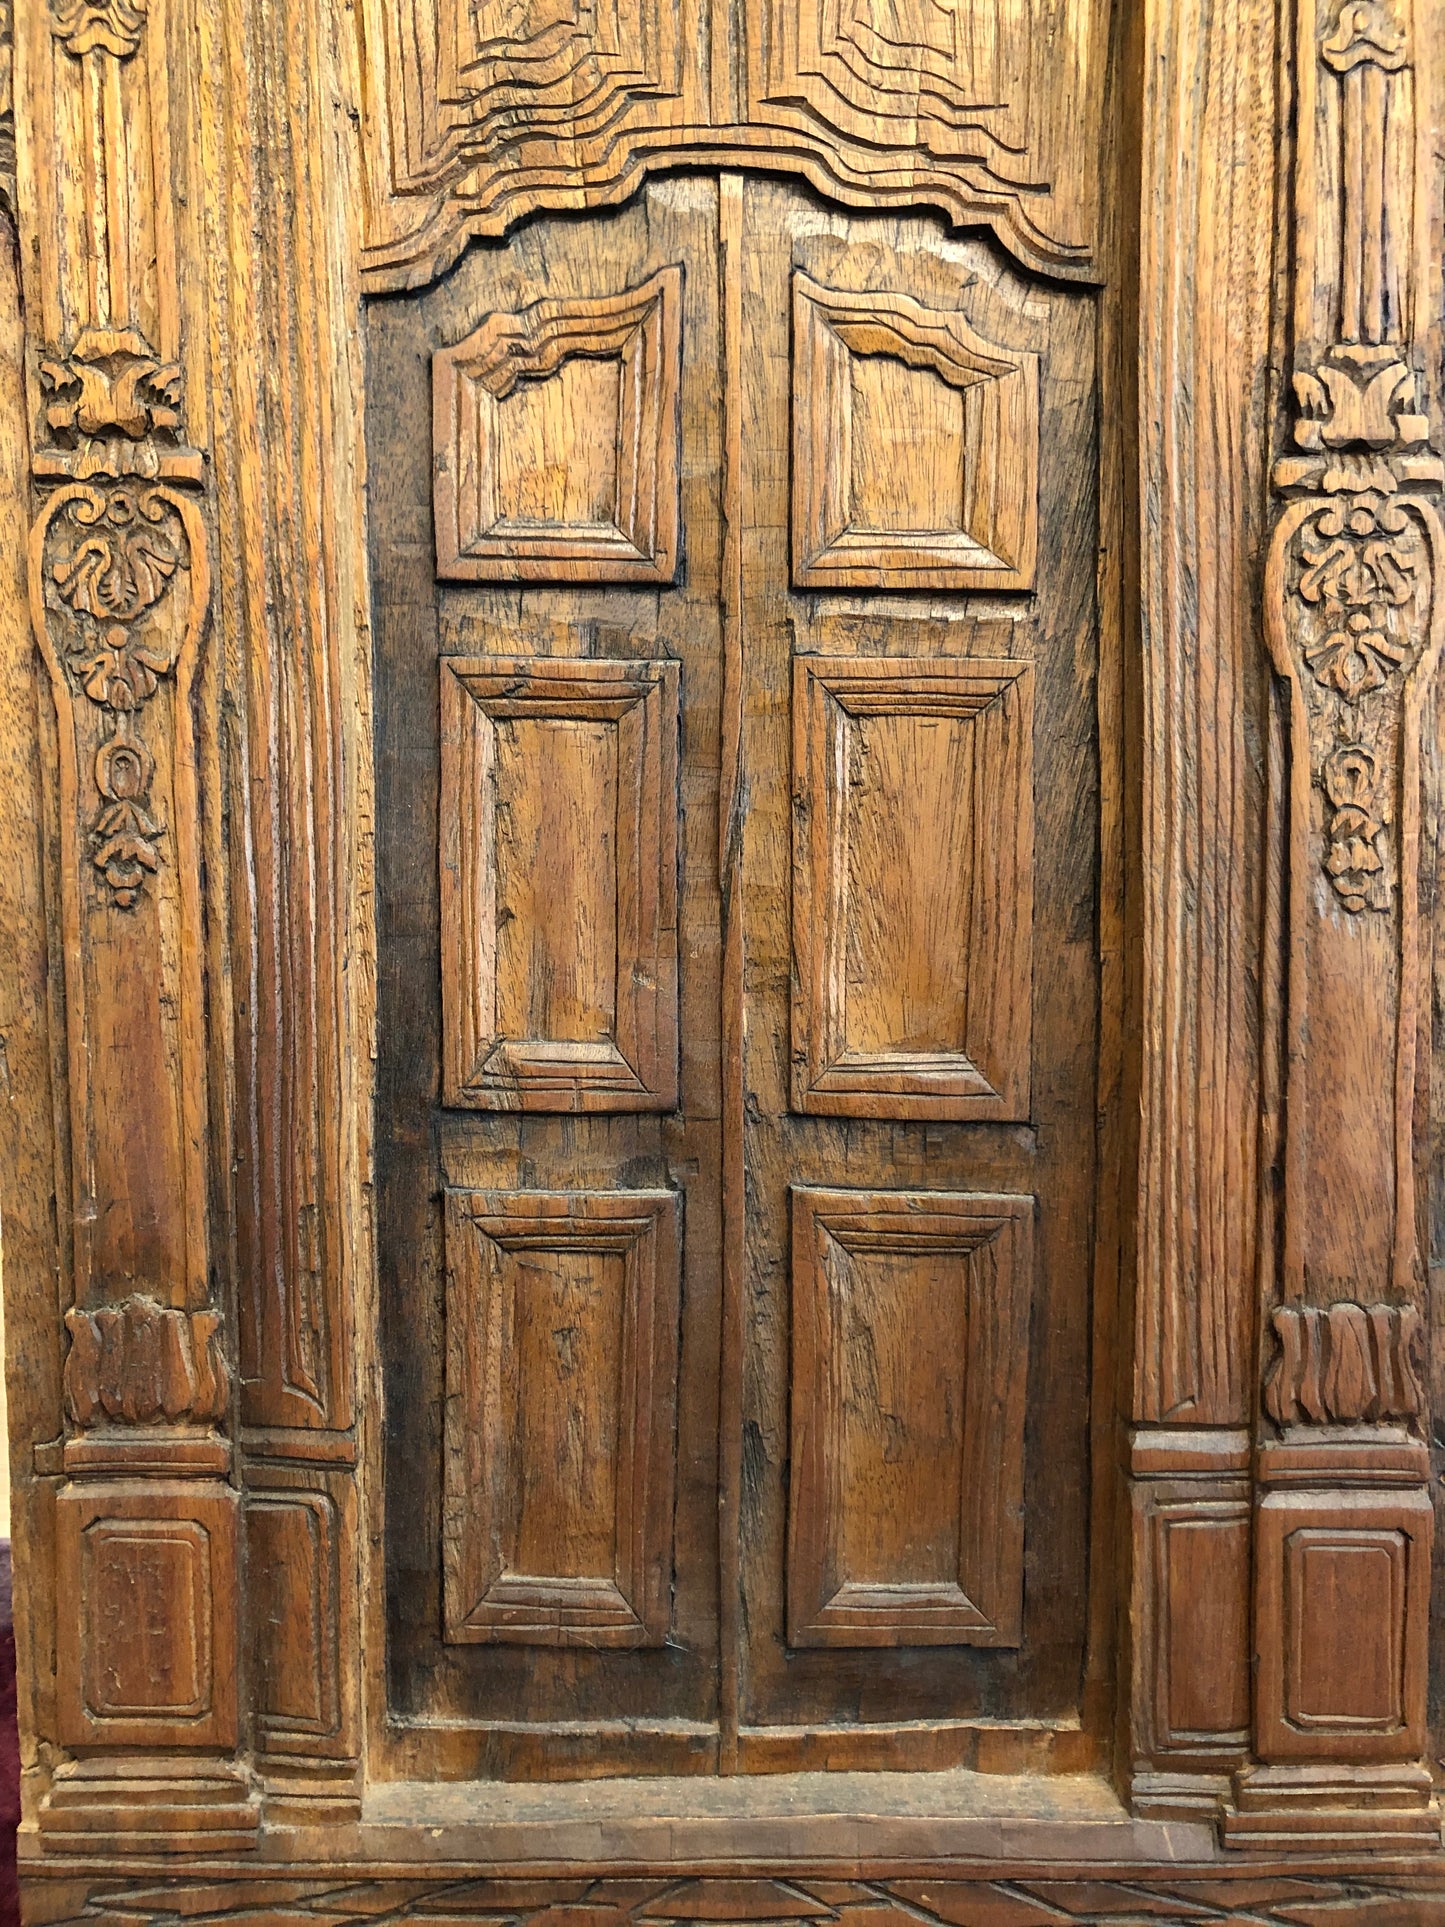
(200, 198)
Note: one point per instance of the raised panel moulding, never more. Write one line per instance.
(910, 1361)
(971, 411)
(912, 886)
(559, 884)
(555, 435)
(562, 1390)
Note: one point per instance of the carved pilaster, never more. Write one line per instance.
(120, 592)
(1354, 616)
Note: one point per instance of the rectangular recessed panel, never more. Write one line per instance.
(559, 884)
(294, 1594)
(148, 1585)
(556, 798)
(1204, 1611)
(907, 448)
(561, 1394)
(562, 1317)
(556, 459)
(910, 1349)
(912, 886)
(901, 1337)
(1346, 1583)
(915, 446)
(555, 440)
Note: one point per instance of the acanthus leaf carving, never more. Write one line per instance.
(1345, 1365)
(143, 1363)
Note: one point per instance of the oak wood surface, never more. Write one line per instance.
(718, 1054)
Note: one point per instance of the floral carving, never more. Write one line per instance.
(1356, 560)
(143, 1363)
(113, 402)
(104, 26)
(114, 555)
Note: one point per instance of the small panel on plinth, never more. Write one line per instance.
(912, 886)
(562, 1358)
(910, 1364)
(559, 884)
(146, 1632)
(915, 447)
(556, 441)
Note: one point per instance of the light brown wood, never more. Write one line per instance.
(716, 937)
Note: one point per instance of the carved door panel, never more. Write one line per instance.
(737, 1018)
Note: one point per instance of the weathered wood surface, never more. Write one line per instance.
(721, 735)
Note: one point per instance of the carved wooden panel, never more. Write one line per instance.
(562, 1363)
(915, 447)
(293, 1564)
(1192, 1536)
(912, 886)
(145, 1633)
(910, 1363)
(1341, 1608)
(555, 433)
(486, 112)
(559, 884)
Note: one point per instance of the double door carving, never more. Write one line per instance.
(738, 1046)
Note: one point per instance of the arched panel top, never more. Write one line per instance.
(481, 112)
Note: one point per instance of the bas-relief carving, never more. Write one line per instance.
(488, 113)
(1354, 619)
(538, 483)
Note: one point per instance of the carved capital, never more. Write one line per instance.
(141, 1363)
(1348, 1364)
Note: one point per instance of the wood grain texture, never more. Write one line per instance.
(562, 1318)
(556, 440)
(477, 116)
(1208, 141)
(910, 1361)
(912, 886)
(896, 685)
(915, 447)
(559, 884)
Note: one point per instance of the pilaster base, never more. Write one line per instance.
(150, 1806)
(1298, 1807)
